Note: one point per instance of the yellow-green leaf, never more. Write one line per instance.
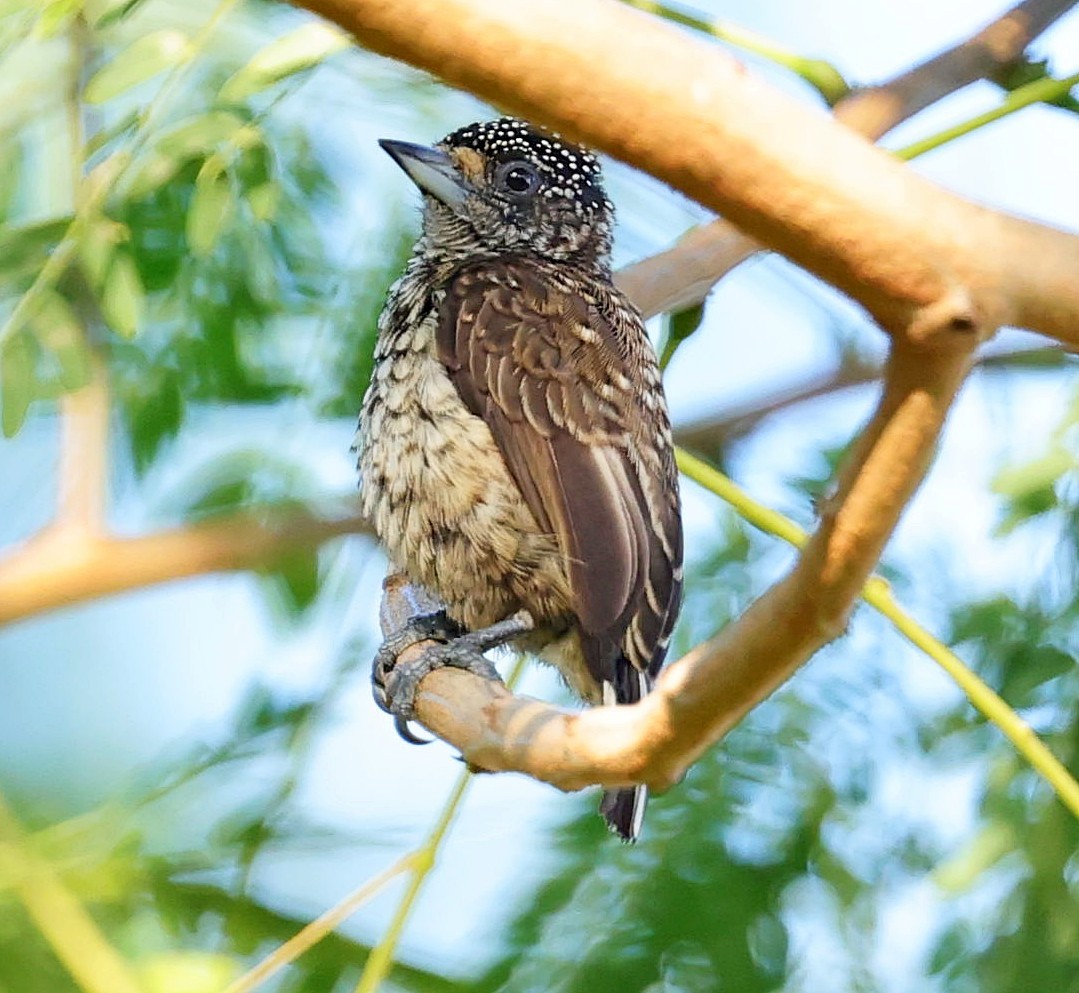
(150, 172)
(122, 296)
(187, 972)
(16, 382)
(302, 49)
(211, 207)
(56, 16)
(965, 868)
(140, 61)
(264, 200)
(1017, 481)
(97, 247)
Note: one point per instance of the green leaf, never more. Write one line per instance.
(1020, 481)
(1029, 668)
(110, 133)
(154, 416)
(187, 972)
(112, 12)
(16, 382)
(959, 873)
(58, 328)
(303, 48)
(295, 580)
(11, 159)
(679, 327)
(122, 297)
(140, 61)
(211, 208)
(23, 250)
(200, 136)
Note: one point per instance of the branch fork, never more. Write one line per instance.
(939, 274)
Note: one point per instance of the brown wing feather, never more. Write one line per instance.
(542, 368)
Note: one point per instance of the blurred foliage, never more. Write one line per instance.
(213, 261)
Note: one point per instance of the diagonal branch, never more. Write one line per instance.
(939, 273)
(73, 569)
(699, 698)
(63, 566)
(875, 110)
(796, 181)
(682, 275)
(711, 433)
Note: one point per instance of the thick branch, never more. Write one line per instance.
(784, 174)
(684, 274)
(76, 568)
(62, 566)
(703, 695)
(938, 272)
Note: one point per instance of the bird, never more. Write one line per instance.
(514, 447)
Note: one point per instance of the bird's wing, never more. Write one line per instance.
(547, 373)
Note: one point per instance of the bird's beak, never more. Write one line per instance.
(431, 169)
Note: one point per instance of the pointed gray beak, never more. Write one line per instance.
(431, 169)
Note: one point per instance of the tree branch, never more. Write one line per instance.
(875, 110)
(709, 434)
(698, 120)
(74, 568)
(84, 442)
(939, 273)
(684, 274)
(63, 566)
(699, 698)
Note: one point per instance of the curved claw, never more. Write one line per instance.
(401, 723)
(394, 684)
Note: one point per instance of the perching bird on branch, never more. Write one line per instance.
(515, 452)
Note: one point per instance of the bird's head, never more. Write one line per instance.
(506, 186)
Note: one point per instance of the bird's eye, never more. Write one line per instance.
(518, 178)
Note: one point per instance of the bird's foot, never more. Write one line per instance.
(395, 683)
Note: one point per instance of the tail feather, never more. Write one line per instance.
(623, 810)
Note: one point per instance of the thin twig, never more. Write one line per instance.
(709, 434)
(323, 925)
(877, 593)
(381, 959)
(1045, 90)
(876, 110)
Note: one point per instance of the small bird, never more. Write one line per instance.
(515, 452)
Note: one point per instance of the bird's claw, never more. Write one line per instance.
(394, 684)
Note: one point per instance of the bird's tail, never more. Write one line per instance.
(623, 810)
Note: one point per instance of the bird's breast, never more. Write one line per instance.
(438, 493)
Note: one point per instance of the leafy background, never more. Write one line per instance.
(201, 765)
